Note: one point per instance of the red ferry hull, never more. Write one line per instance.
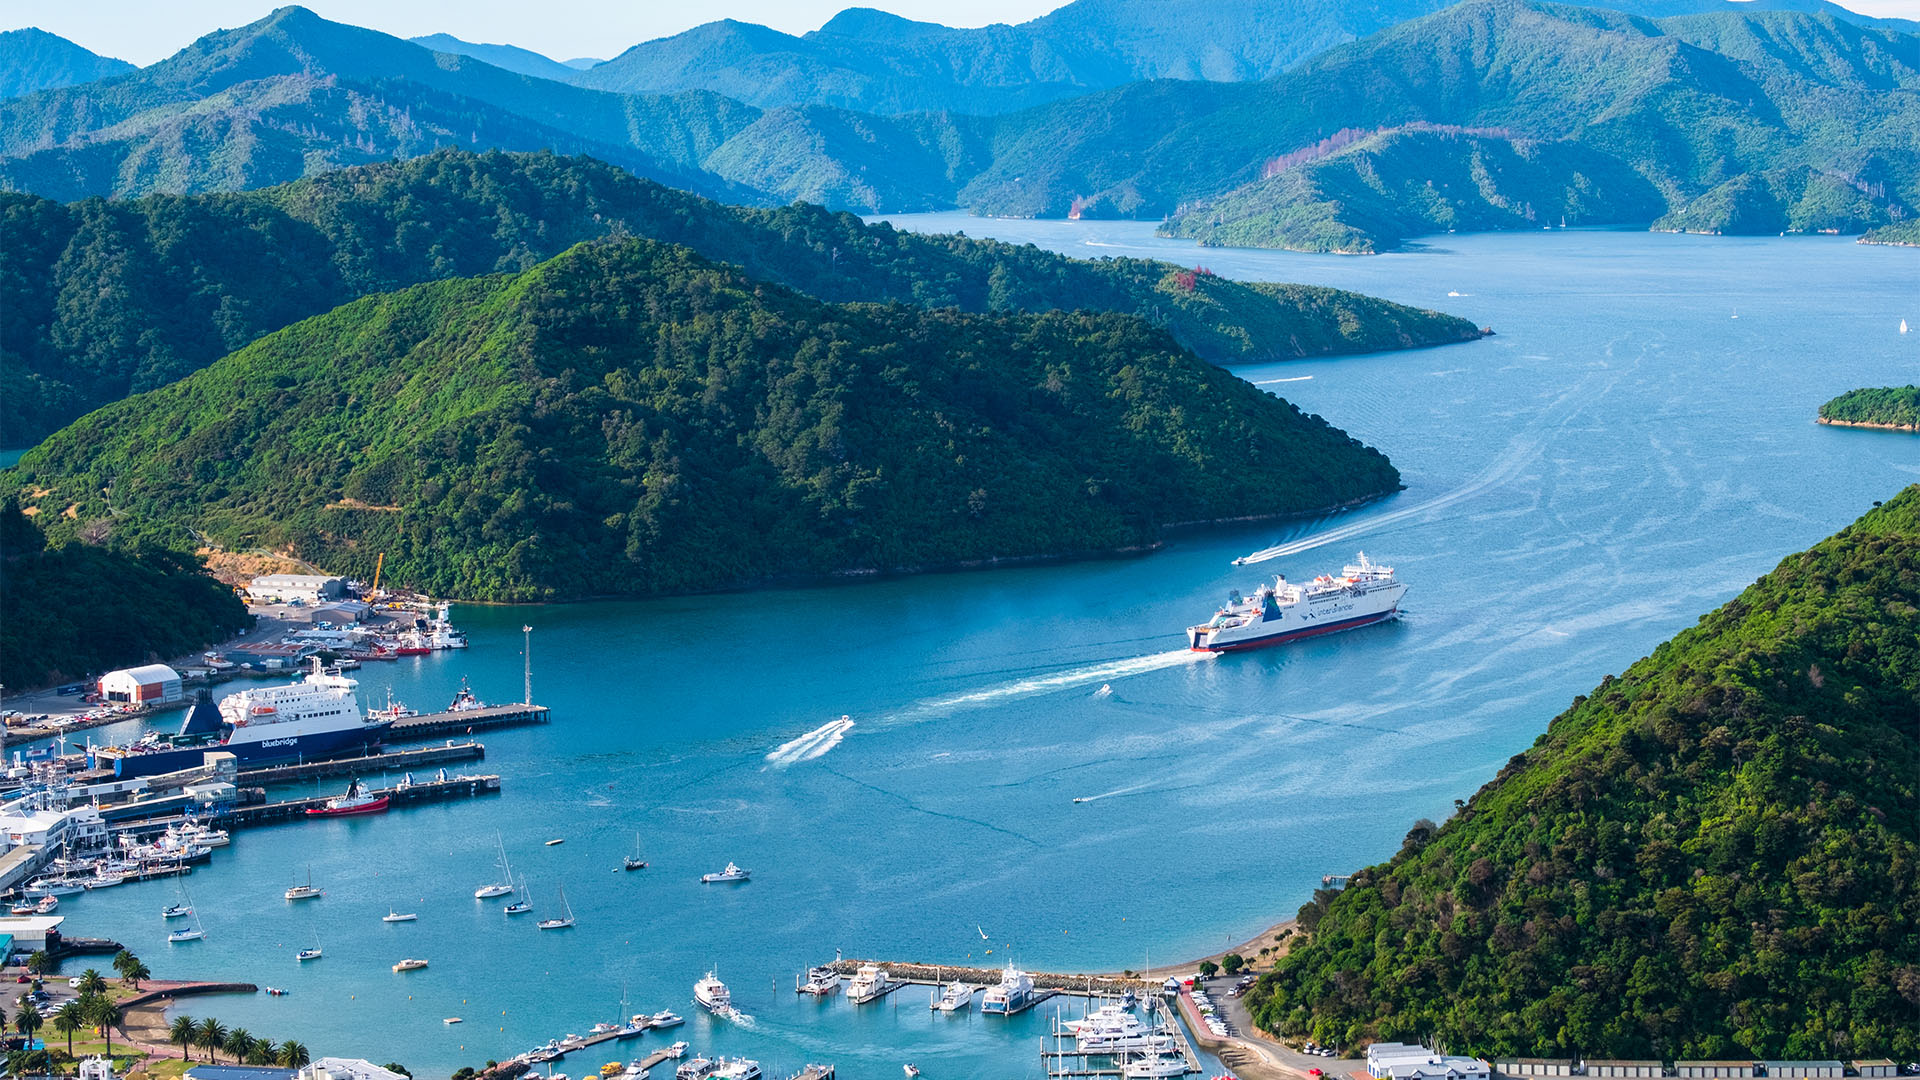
(377, 806)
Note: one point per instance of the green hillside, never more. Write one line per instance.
(99, 299)
(1713, 856)
(1885, 406)
(1904, 233)
(81, 608)
(32, 59)
(629, 418)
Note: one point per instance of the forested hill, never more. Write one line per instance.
(100, 299)
(32, 59)
(82, 607)
(630, 418)
(1714, 856)
(1895, 407)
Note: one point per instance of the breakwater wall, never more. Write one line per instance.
(913, 971)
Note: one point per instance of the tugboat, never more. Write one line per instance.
(357, 800)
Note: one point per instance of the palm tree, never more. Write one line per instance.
(185, 1032)
(122, 959)
(68, 1019)
(294, 1055)
(237, 1043)
(212, 1034)
(135, 972)
(262, 1052)
(27, 1020)
(39, 961)
(92, 982)
(104, 1014)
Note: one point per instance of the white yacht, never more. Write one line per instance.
(868, 983)
(958, 997)
(735, 1069)
(488, 892)
(821, 982)
(304, 892)
(728, 876)
(666, 1018)
(711, 994)
(564, 921)
(1013, 993)
(1147, 1067)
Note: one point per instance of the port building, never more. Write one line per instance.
(148, 684)
(1714, 1070)
(1804, 1070)
(1402, 1061)
(286, 588)
(331, 1068)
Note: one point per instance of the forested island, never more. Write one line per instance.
(101, 299)
(1896, 408)
(1712, 856)
(91, 603)
(1899, 234)
(630, 418)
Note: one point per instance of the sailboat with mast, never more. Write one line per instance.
(634, 861)
(191, 932)
(488, 892)
(304, 892)
(313, 953)
(520, 904)
(566, 917)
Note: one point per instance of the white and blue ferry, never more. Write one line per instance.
(1363, 594)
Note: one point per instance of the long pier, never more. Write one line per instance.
(390, 761)
(240, 817)
(466, 721)
(940, 974)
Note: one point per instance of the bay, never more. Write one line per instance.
(1633, 446)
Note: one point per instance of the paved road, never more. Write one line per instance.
(1272, 1050)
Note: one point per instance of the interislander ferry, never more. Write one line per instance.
(1363, 594)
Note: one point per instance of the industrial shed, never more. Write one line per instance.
(149, 684)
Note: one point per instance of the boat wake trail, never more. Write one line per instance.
(813, 744)
(1519, 453)
(1270, 382)
(1061, 680)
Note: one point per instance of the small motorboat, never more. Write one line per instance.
(410, 964)
(556, 840)
(397, 916)
(46, 905)
(453, 1020)
(22, 907)
(910, 1069)
(730, 875)
(274, 991)
(667, 1018)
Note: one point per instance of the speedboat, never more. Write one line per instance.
(1154, 1067)
(396, 916)
(910, 1069)
(176, 911)
(667, 1018)
(731, 874)
(46, 905)
(712, 994)
(410, 964)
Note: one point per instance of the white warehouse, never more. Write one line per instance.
(149, 684)
(286, 588)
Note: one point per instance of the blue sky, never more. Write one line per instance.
(143, 31)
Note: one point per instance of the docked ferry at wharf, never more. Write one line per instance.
(314, 719)
(1280, 612)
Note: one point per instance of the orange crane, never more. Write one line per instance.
(377, 564)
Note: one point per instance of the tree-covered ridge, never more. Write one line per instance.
(630, 418)
(1905, 233)
(1715, 855)
(1883, 406)
(83, 607)
(101, 299)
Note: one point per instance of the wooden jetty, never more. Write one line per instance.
(814, 1072)
(467, 721)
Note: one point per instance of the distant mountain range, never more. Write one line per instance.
(33, 59)
(1487, 114)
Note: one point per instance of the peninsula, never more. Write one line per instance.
(1893, 408)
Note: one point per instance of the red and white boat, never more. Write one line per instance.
(357, 800)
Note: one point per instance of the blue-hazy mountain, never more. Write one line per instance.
(32, 59)
(510, 57)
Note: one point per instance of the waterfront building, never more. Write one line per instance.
(1528, 1068)
(27, 934)
(1403, 1061)
(96, 1068)
(331, 1068)
(1714, 1070)
(148, 684)
(1631, 1068)
(238, 1072)
(286, 588)
(76, 828)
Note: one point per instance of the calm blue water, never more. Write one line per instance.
(1622, 457)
